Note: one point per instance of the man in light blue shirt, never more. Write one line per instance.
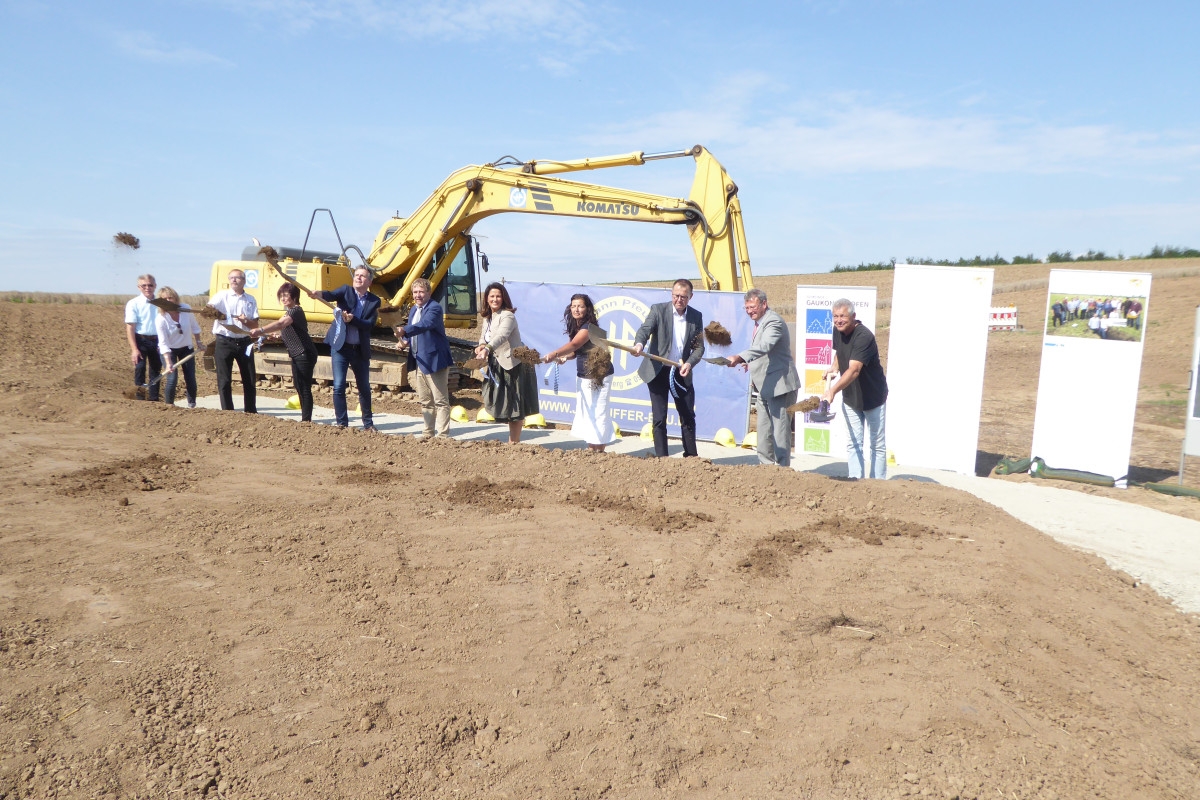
(142, 335)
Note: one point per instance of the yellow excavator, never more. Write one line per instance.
(435, 242)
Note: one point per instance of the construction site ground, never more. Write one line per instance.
(204, 603)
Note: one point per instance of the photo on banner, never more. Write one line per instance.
(722, 394)
(823, 432)
(1095, 323)
(937, 351)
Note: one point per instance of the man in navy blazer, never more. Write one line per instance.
(429, 359)
(359, 309)
(671, 330)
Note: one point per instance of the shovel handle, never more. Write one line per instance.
(174, 367)
(597, 337)
(275, 266)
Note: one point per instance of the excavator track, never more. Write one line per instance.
(389, 366)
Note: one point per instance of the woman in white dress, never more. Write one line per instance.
(592, 421)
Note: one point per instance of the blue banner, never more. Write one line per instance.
(722, 394)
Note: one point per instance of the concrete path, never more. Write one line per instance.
(1158, 549)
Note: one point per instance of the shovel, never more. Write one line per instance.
(177, 364)
(720, 361)
(239, 330)
(204, 312)
(596, 336)
(140, 388)
(168, 306)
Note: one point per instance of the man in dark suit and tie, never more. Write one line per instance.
(429, 358)
(672, 330)
(773, 373)
(359, 309)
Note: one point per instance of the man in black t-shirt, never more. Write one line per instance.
(864, 390)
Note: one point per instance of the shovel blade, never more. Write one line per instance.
(596, 335)
(165, 304)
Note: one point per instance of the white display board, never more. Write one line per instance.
(1191, 438)
(823, 434)
(1091, 363)
(937, 350)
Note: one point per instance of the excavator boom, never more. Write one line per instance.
(435, 242)
(711, 213)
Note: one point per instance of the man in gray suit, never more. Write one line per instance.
(773, 373)
(672, 330)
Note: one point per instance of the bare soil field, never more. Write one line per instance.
(209, 604)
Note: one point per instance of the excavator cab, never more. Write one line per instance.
(459, 291)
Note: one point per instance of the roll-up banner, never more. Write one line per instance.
(1095, 323)
(937, 350)
(722, 394)
(1191, 438)
(823, 432)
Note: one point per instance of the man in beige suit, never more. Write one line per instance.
(773, 373)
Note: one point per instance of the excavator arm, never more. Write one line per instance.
(712, 215)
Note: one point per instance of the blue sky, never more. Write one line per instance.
(857, 131)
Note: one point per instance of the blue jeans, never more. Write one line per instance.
(189, 376)
(877, 448)
(148, 347)
(345, 359)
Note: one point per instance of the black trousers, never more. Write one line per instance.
(148, 347)
(685, 404)
(229, 350)
(302, 374)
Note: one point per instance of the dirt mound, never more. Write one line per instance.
(288, 610)
(656, 517)
(97, 380)
(494, 497)
(139, 474)
(376, 479)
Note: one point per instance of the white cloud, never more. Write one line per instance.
(567, 21)
(147, 47)
(847, 135)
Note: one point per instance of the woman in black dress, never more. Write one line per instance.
(293, 329)
(510, 388)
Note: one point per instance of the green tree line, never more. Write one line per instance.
(1056, 257)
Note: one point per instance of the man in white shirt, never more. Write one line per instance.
(143, 338)
(672, 330)
(240, 309)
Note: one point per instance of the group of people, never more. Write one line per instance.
(672, 331)
(1098, 312)
(159, 339)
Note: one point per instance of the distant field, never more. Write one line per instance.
(74, 298)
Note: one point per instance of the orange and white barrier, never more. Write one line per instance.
(1003, 319)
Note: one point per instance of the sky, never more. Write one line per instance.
(857, 132)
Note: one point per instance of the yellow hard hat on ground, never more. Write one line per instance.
(724, 437)
(458, 414)
(482, 415)
(535, 421)
(751, 439)
(647, 431)
(293, 402)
